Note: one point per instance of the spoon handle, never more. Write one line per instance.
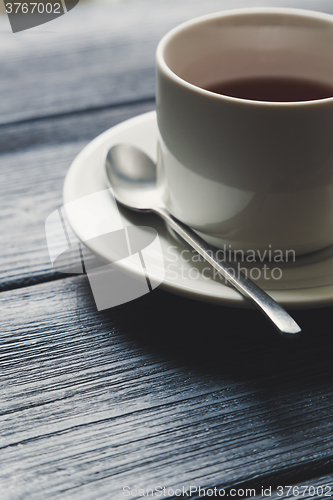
(274, 312)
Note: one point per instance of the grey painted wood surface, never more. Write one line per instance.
(161, 391)
(34, 159)
(156, 392)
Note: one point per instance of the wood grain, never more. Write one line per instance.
(156, 392)
(34, 159)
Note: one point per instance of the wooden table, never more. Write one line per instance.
(162, 391)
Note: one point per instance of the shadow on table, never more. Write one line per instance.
(233, 342)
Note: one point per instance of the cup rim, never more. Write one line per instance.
(164, 68)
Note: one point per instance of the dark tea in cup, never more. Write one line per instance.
(273, 89)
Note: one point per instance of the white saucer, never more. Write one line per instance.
(308, 282)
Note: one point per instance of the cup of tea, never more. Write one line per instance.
(245, 119)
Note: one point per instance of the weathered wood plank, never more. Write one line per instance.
(79, 60)
(34, 159)
(156, 393)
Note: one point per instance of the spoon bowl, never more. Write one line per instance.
(131, 175)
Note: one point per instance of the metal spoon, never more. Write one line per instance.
(131, 175)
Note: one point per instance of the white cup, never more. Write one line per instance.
(245, 173)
